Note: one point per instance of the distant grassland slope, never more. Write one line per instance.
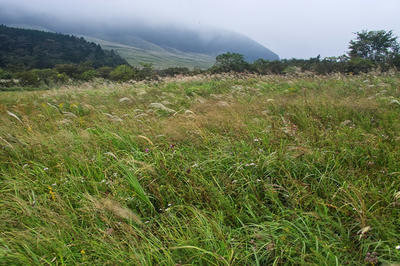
(174, 46)
(204, 41)
(159, 57)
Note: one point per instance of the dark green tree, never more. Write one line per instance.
(230, 62)
(378, 46)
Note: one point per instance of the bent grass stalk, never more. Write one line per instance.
(133, 181)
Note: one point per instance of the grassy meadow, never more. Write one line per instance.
(203, 170)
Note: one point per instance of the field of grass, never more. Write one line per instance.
(218, 170)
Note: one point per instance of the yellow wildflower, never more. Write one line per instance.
(52, 193)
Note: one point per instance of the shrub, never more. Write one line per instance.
(104, 72)
(28, 78)
(358, 65)
(71, 70)
(4, 74)
(276, 67)
(61, 78)
(88, 75)
(146, 71)
(46, 76)
(122, 73)
(172, 71)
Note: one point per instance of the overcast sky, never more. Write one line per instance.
(290, 28)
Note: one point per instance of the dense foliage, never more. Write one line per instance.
(28, 49)
(380, 46)
(230, 62)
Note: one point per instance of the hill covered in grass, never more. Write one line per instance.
(203, 170)
(28, 49)
(174, 38)
(160, 58)
(164, 45)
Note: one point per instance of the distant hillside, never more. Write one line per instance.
(209, 42)
(159, 57)
(162, 45)
(24, 48)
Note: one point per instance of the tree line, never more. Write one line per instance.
(23, 49)
(368, 51)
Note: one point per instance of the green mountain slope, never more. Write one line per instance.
(150, 53)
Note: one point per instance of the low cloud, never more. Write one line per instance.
(291, 28)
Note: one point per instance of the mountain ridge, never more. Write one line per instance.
(162, 45)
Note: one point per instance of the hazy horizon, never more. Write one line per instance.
(292, 29)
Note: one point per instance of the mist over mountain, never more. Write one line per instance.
(158, 39)
(211, 42)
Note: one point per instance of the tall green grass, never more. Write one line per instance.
(248, 171)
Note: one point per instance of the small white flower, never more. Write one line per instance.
(146, 222)
(398, 247)
(46, 168)
(256, 140)
(54, 184)
(169, 204)
(258, 180)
